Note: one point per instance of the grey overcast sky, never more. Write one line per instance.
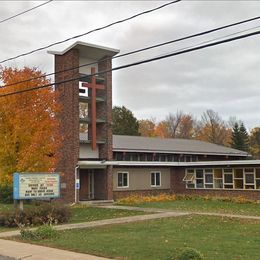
(224, 78)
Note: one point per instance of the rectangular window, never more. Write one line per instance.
(189, 176)
(149, 157)
(249, 178)
(134, 157)
(187, 158)
(127, 156)
(155, 179)
(223, 178)
(122, 179)
(199, 173)
(228, 178)
(162, 157)
(119, 156)
(208, 178)
(170, 158)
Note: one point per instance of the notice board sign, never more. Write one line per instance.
(36, 186)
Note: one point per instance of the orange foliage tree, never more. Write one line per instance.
(161, 130)
(29, 129)
(147, 127)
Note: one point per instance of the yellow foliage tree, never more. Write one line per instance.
(29, 130)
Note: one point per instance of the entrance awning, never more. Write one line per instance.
(93, 164)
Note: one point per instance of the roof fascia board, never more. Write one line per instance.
(179, 152)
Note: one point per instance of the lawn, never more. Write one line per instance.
(86, 214)
(214, 237)
(202, 205)
(83, 214)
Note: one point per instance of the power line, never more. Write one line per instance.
(138, 62)
(89, 32)
(151, 47)
(26, 11)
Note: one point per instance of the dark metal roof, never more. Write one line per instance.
(166, 145)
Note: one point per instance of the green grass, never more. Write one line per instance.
(83, 214)
(214, 237)
(201, 205)
(86, 214)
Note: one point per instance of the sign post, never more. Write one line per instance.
(28, 186)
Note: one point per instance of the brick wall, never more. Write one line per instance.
(104, 111)
(69, 116)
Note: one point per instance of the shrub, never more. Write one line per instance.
(137, 199)
(44, 213)
(42, 232)
(190, 253)
(6, 193)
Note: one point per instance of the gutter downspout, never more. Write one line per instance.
(76, 173)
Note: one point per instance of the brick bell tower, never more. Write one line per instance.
(86, 119)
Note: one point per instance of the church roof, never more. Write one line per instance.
(171, 145)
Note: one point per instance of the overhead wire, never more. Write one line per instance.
(91, 31)
(151, 47)
(138, 62)
(26, 11)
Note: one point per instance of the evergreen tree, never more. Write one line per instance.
(244, 138)
(240, 138)
(124, 122)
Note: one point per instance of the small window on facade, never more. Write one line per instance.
(250, 178)
(189, 177)
(156, 157)
(119, 156)
(135, 157)
(170, 158)
(208, 178)
(228, 178)
(149, 157)
(249, 169)
(122, 179)
(155, 179)
(127, 156)
(199, 173)
(194, 158)
(162, 157)
(142, 157)
(187, 158)
(228, 170)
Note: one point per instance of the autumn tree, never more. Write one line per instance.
(186, 127)
(255, 142)
(124, 122)
(29, 130)
(173, 122)
(161, 130)
(213, 129)
(147, 127)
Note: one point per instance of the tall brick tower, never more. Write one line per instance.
(87, 135)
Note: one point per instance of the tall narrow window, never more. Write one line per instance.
(155, 179)
(122, 180)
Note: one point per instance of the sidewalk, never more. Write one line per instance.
(11, 250)
(158, 210)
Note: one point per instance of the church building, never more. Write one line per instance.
(97, 165)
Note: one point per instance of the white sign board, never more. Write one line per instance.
(36, 185)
